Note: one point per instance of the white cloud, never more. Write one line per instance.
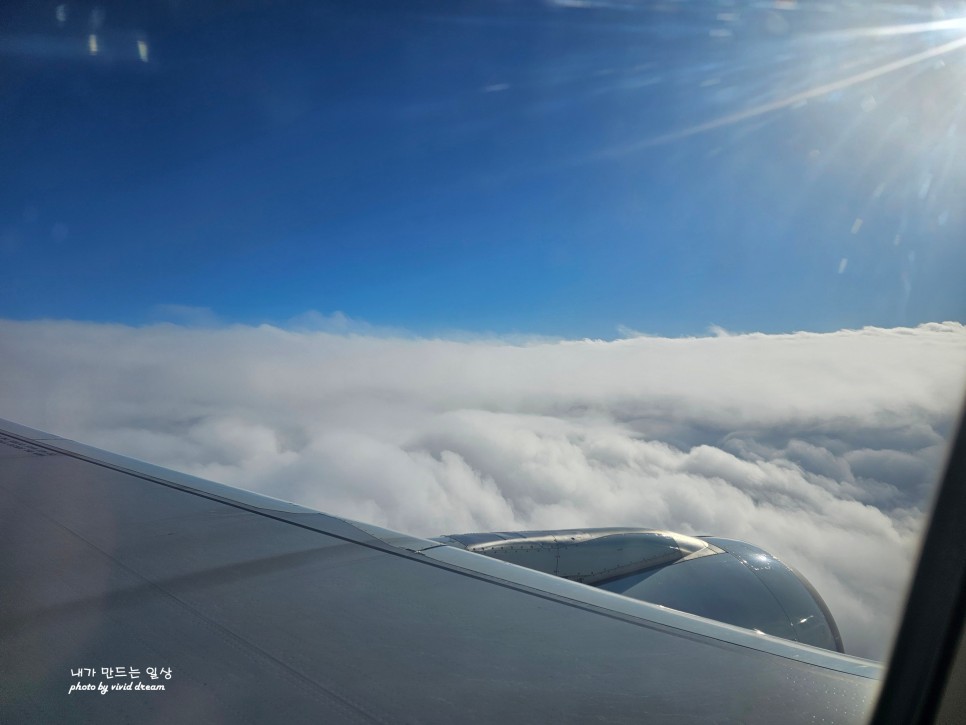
(819, 447)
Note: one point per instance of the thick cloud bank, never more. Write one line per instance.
(821, 448)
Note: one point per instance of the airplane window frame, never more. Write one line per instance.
(919, 686)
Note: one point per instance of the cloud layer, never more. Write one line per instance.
(822, 448)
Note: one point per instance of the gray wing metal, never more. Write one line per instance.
(265, 611)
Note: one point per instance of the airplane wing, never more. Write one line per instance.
(249, 609)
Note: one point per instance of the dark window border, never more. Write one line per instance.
(931, 629)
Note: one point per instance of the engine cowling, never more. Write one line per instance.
(722, 579)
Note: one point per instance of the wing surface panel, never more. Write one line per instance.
(285, 615)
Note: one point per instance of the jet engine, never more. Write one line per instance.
(722, 579)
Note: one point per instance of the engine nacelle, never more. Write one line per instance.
(721, 579)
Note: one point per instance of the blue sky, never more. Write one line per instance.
(509, 167)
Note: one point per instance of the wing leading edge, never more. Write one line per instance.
(262, 609)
